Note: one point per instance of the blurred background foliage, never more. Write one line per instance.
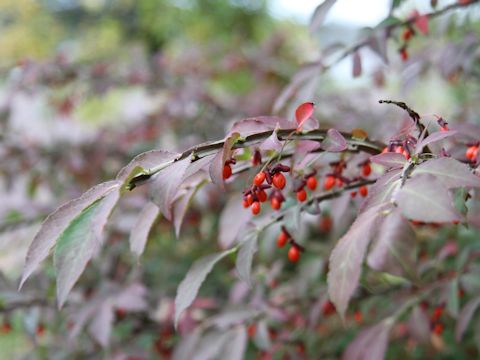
(87, 85)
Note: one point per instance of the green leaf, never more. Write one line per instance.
(79, 242)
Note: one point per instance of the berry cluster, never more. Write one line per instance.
(269, 178)
(295, 248)
(308, 181)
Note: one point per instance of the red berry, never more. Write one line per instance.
(366, 170)
(358, 316)
(404, 54)
(461, 293)
(329, 182)
(251, 330)
(353, 194)
(293, 254)
(437, 313)
(328, 308)
(249, 199)
(301, 195)
(259, 178)
(40, 330)
(5, 328)
(444, 128)
(256, 208)
(339, 182)
(262, 195)
(282, 239)
(275, 203)
(245, 203)
(227, 171)
(279, 181)
(363, 190)
(472, 152)
(438, 328)
(326, 224)
(312, 183)
(407, 34)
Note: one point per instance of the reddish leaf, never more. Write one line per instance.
(465, 317)
(304, 112)
(347, 258)
(357, 64)
(425, 198)
(141, 228)
(421, 22)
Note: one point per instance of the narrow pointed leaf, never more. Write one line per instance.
(248, 247)
(141, 229)
(465, 317)
(320, 14)
(56, 223)
(79, 242)
(347, 258)
(436, 136)
(188, 288)
(181, 206)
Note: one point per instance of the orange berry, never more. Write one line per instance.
(227, 171)
(275, 203)
(279, 181)
(259, 178)
(329, 182)
(301, 195)
(312, 183)
(293, 254)
(363, 190)
(282, 239)
(472, 152)
(256, 207)
(366, 170)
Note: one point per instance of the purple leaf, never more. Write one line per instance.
(452, 173)
(132, 298)
(357, 64)
(249, 126)
(465, 317)
(370, 344)
(184, 198)
(101, 326)
(188, 288)
(436, 136)
(382, 190)
(80, 241)
(419, 325)
(390, 160)
(233, 218)
(334, 141)
(347, 258)
(141, 229)
(57, 222)
(236, 345)
(165, 184)
(320, 14)
(271, 143)
(248, 247)
(145, 161)
(392, 250)
(425, 198)
(218, 162)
